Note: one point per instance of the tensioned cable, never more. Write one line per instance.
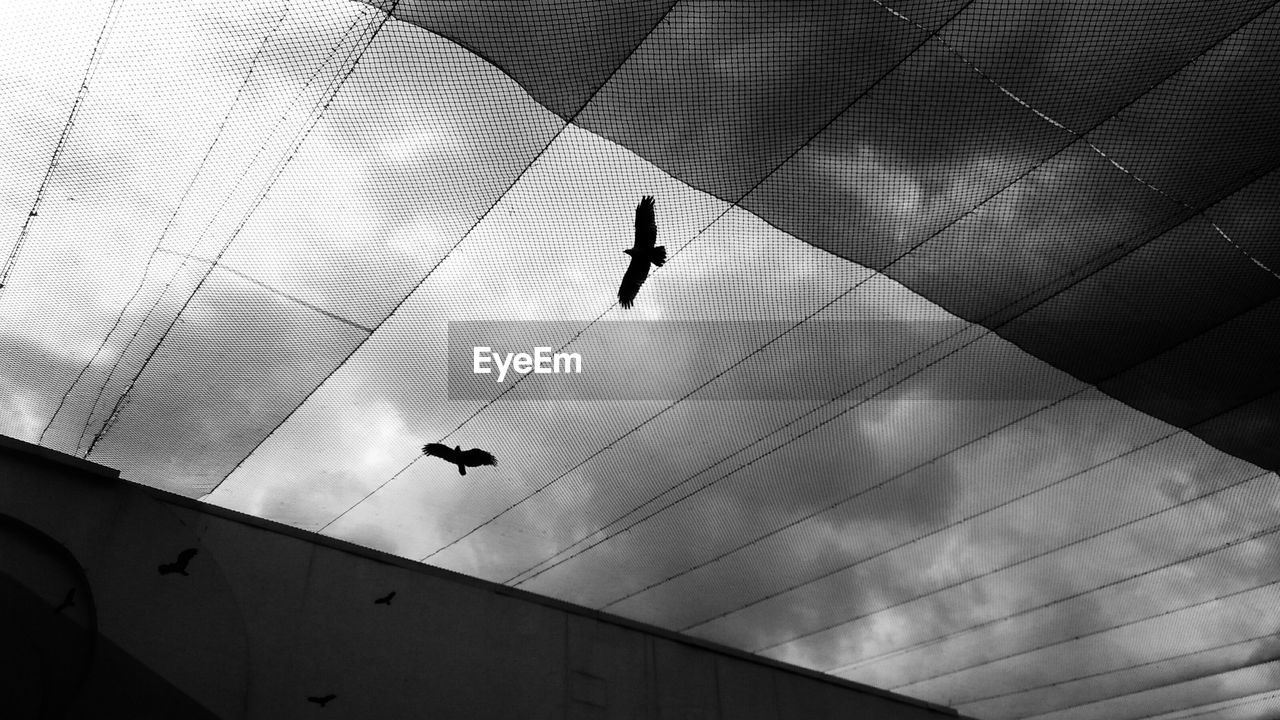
(600, 540)
(1169, 684)
(124, 397)
(898, 652)
(1198, 554)
(906, 543)
(151, 258)
(518, 380)
(723, 213)
(1247, 694)
(973, 628)
(1114, 671)
(183, 265)
(62, 139)
(879, 485)
(1080, 136)
(537, 156)
(1222, 705)
(797, 419)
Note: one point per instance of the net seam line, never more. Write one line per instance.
(216, 265)
(124, 399)
(150, 259)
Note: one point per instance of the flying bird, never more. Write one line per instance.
(68, 601)
(642, 253)
(385, 600)
(180, 565)
(321, 700)
(475, 457)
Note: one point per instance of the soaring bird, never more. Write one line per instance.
(180, 565)
(385, 600)
(642, 253)
(68, 601)
(475, 457)
(321, 700)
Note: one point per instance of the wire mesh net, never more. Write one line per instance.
(1012, 266)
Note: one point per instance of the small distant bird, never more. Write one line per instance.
(68, 601)
(321, 701)
(180, 565)
(475, 457)
(385, 600)
(642, 253)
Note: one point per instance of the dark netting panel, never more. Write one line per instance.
(925, 145)
(1078, 62)
(560, 53)
(1122, 314)
(959, 379)
(721, 93)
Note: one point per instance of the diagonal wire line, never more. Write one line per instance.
(1114, 671)
(989, 623)
(62, 139)
(537, 156)
(163, 233)
(1227, 704)
(847, 499)
(1198, 554)
(578, 334)
(124, 397)
(1101, 153)
(697, 235)
(1097, 268)
(369, 494)
(898, 652)
(922, 242)
(1175, 684)
(881, 553)
(226, 200)
(1079, 135)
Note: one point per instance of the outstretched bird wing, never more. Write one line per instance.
(476, 457)
(440, 451)
(646, 227)
(635, 276)
(185, 556)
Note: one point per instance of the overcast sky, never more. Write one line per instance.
(963, 483)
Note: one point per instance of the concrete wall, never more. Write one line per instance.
(268, 616)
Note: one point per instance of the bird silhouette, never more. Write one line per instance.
(68, 601)
(180, 565)
(321, 700)
(475, 457)
(642, 253)
(385, 600)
